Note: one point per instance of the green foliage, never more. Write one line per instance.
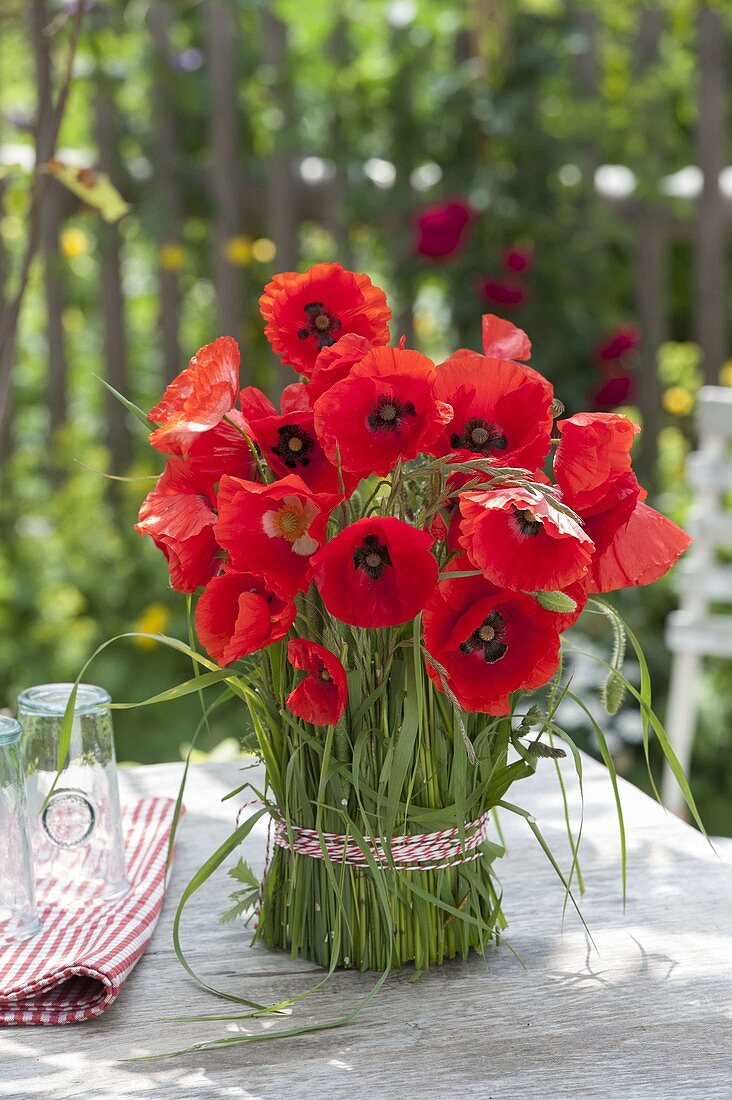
(512, 107)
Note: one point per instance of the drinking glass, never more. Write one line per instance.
(76, 825)
(18, 917)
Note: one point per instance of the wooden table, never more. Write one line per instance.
(647, 1015)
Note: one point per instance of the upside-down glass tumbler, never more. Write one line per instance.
(76, 825)
(18, 918)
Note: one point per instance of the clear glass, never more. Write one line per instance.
(76, 830)
(18, 917)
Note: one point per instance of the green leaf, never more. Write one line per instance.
(242, 900)
(95, 188)
(129, 405)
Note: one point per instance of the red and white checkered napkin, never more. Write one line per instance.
(75, 968)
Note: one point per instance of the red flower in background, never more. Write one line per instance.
(489, 642)
(376, 572)
(618, 342)
(179, 516)
(520, 541)
(639, 551)
(593, 457)
(502, 340)
(441, 229)
(617, 388)
(224, 449)
(501, 410)
(503, 292)
(238, 614)
(309, 312)
(384, 410)
(518, 258)
(273, 529)
(198, 398)
(335, 362)
(322, 696)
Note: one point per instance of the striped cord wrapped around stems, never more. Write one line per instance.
(418, 852)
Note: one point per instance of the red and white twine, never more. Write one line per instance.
(418, 852)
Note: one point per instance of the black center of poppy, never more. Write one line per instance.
(324, 676)
(479, 436)
(372, 556)
(320, 324)
(294, 446)
(526, 521)
(389, 413)
(489, 639)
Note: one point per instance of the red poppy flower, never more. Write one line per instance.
(616, 389)
(198, 398)
(503, 292)
(274, 529)
(618, 342)
(179, 516)
(489, 642)
(376, 572)
(639, 551)
(592, 457)
(522, 542)
(441, 229)
(224, 449)
(321, 697)
(501, 410)
(335, 363)
(296, 398)
(518, 258)
(290, 445)
(502, 340)
(254, 404)
(238, 613)
(385, 410)
(306, 313)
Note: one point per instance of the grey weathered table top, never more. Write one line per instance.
(649, 1014)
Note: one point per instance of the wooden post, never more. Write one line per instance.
(710, 242)
(334, 193)
(281, 208)
(170, 206)
(50, 222)
(650, 271)
(225, 175)
(114, 332)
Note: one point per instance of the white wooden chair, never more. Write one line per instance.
(694, 632)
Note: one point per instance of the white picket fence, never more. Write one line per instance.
(696, 631)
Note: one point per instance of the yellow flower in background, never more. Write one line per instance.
(678, 401)
(11, 228)
(725, 374)
(74, 243)
(172, 256)
(264, 250)
(153, 620)
(72, 319)
(238, 251)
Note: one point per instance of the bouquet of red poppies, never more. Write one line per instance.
(385, 567)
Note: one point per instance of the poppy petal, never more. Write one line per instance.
(640, 552)
(502, 340)
(198, 398)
